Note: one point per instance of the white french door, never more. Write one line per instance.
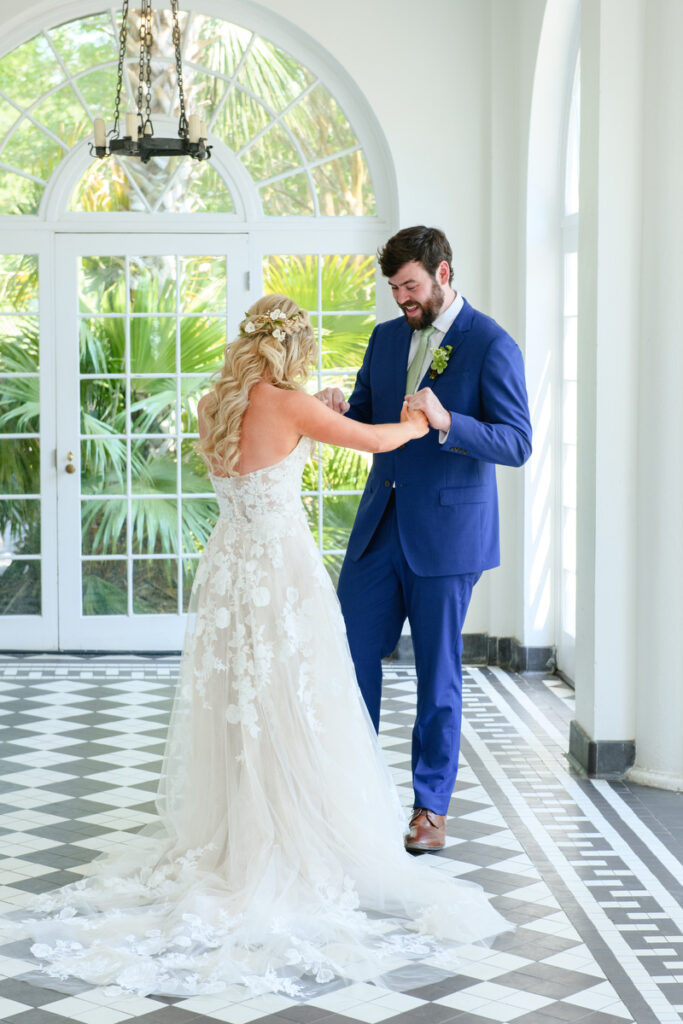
(28, 534)
(142, 323)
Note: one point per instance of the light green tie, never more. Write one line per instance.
(414, 376)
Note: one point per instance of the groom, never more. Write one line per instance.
(427, 523)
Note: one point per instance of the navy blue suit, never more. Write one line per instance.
(427, 524)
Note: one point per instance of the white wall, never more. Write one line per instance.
(659, 413)
(609, 297)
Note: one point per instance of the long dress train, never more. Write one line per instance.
(278, 854)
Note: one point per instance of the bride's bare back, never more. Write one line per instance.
(275, 419)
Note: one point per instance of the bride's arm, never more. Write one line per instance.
(310, 417)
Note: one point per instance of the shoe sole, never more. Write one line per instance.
(418, 848)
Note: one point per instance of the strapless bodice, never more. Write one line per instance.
(272, 493)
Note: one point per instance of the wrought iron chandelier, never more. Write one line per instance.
(139, 139)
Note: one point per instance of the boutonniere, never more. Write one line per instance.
(440, 357)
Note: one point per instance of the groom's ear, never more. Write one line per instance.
(443, 272)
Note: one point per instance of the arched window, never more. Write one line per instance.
(120, 284)
(272, 112)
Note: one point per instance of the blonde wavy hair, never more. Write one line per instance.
(276, 343)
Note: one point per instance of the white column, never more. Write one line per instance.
(609, 325)
(659, 720)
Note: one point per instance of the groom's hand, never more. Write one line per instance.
(427, 402)
(334, 398)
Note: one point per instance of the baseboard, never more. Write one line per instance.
(656, 779)
(600, 759)
(482, 649)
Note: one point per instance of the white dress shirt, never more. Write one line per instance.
(441, 325)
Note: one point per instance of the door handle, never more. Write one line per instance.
(70, 468)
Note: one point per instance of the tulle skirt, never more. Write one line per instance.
(277, 860)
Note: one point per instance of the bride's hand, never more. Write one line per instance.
(417, 420)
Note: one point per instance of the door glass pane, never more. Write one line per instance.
(20, 402)
(199, 518)
(152, 343)
(19, 586)
(155, 586)
(191, 390)
(103, 466)
(161, 315)
(103, 406)
(153, 405)
(19, 465)
(105, 587)
(344, 339)
(20, 526)
(18, 344)
(101, 284)
(102, 342)
(154, 525)
(203, 284)
(202, 343)
(104, 526)
(193, 470)
(152, 283)
(153, 466)
(20, 495)
(344, 469)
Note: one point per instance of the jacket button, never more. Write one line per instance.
(387, 483)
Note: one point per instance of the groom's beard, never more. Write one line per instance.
(428, 311)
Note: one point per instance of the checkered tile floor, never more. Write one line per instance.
(596, 894)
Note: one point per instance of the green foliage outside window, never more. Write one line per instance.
(19, 416)
(339, 291)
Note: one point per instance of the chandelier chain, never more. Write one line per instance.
(143, 142)
(148, 75)
(145, 64)
(122, 51)
(182, 123)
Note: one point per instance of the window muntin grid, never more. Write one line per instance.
(152, 330)
(282, 122)
(20, 492)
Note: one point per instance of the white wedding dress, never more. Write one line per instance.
(277, 861)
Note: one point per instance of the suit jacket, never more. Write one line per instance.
(446, 495)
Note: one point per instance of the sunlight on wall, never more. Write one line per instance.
(540, 582)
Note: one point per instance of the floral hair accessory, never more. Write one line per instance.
(277, 323)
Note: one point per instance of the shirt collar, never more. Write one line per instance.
(445, 319)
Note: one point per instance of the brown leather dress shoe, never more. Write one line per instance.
(427, 831)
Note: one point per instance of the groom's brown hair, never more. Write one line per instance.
(428, 246)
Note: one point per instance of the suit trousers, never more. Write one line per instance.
(377, 592)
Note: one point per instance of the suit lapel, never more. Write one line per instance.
(399, 356)
(454, 336)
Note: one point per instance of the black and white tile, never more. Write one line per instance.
(596, 893)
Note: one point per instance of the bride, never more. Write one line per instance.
(277, 861)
